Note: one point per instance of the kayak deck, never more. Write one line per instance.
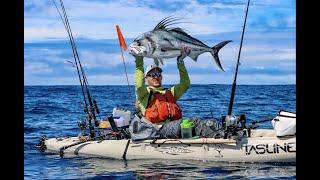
(262, 146)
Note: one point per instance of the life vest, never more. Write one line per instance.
(162, 107)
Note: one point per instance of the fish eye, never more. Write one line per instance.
(149, 38)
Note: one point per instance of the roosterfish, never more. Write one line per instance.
(164, 42)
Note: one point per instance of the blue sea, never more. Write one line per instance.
(55, 110)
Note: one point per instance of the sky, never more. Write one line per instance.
(267, 57)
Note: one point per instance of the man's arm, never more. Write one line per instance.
(179, 89)
(141, 89)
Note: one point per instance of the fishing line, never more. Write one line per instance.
(82, 72)
(73, 50)
(91, 110)
(125, 70)
(122, 44)
(77, 60)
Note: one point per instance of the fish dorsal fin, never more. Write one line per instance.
(179, 30)
(168, 21)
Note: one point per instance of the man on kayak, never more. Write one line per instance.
(155, 103)
(158, 114)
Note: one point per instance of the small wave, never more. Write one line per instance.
(53, 111)
(171, 167)
(216, 170)
(115, 175)
(46, 109)
(265, 168)
(30, 129)
(191, 99)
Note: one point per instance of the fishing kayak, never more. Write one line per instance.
(262, 145)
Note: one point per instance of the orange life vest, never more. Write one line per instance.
(162, 107)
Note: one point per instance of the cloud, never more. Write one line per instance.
(36, 68)
(97, 19)
(228, 79)
(262, 53)
(94, 59)
(32, 34)
(104, 79)
(268, 53)
(47, 56)
(40, 80)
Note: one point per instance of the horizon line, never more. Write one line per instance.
(163, 84)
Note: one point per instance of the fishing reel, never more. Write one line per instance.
(90, 113)
(82, 124)
(234, 126)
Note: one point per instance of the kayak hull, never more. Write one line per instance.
(262, 146)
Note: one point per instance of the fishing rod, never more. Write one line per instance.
(92, 108)
(230, 123)
(74, 54)
(233, 90)
(92, 102)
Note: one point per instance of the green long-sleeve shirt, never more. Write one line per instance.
(142, 92)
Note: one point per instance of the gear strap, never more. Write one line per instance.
(149, 97)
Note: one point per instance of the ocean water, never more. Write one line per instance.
(55, 110)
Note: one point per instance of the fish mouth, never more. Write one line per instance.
(137, 50)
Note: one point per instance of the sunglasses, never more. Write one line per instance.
(154, 74)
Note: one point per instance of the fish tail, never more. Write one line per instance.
(215, 51)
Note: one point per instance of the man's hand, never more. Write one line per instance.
(137, 50)
(185, 51)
